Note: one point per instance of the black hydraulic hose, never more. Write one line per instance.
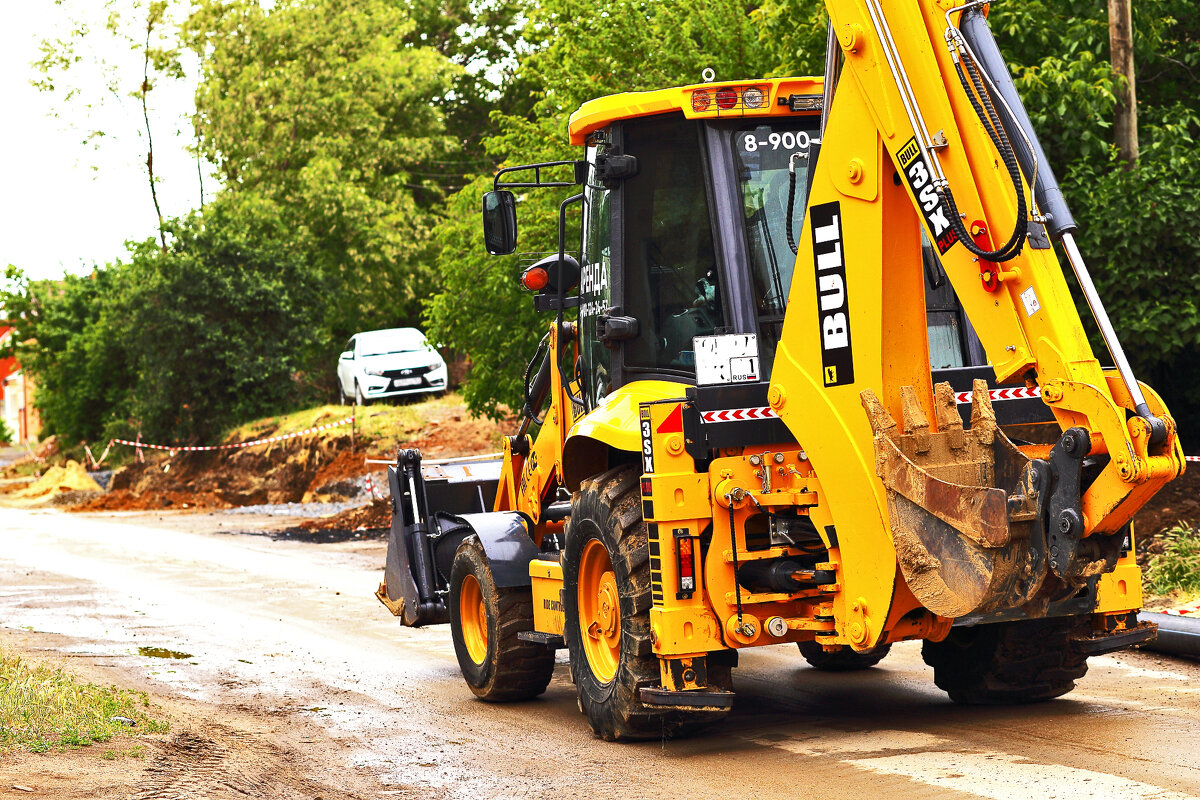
(737, 586)
(791, 237)
(533, 400)
(987, 115)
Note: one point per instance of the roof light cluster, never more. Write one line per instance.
(729, 98)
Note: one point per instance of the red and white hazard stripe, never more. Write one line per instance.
(739, 414)
(195, 448)
(1192, 610)
(1019, 393)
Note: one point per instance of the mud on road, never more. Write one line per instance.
(301, 685)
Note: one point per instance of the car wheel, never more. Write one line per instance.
(359, 398)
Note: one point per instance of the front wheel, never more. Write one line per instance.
(606, 599)
(484, 623)
(1008, 663)
(359, 398)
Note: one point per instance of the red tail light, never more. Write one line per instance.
(726, 99)
(687, 565)
(701, 100)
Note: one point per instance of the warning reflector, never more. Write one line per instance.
(673, 423)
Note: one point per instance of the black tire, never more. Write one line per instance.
(844, 660)
(511, 669)
(1008, 663)
(608, 509)
(360, 399)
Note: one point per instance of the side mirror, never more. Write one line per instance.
(500, 222)
(348, 355)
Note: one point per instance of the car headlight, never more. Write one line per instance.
(375, 372)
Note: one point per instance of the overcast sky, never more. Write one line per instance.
(67, 205)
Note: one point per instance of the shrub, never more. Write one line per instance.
(1177, 569)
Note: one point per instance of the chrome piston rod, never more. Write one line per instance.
(1106, 329)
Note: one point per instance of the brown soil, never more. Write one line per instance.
(210, 751)
(376, 516)
(309, 469)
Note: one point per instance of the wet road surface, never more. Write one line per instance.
(293, 628)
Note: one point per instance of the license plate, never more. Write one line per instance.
(401, 383)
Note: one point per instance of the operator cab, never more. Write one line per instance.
(697, 243)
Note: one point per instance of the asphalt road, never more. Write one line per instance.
(292, 628)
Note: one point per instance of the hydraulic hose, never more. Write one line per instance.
(791, 237)
(968, 76)
(535, 394)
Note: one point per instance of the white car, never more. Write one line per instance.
(389, 363)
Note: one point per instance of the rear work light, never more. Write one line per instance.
(726, 99)
(535, 279)
(754, 98)
(701, 100)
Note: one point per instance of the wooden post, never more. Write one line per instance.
(1120, 35)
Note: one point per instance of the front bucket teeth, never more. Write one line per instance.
(964, 506)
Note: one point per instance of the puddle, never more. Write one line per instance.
(162, 652)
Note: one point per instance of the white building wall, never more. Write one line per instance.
(14, 398)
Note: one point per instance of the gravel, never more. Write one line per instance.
(299, 509)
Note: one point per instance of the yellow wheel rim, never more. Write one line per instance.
(599, 611)
(472, 617)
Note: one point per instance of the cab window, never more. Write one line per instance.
(670, 272)
(764, 155)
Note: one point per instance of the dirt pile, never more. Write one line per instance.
(56, 482)
(317, 468)
(372, 521)
(288, 472)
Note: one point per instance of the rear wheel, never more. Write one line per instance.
(1008, 663)
(484, 623)
(606, 598)
(844, 660)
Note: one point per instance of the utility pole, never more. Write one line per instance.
(1120, 35)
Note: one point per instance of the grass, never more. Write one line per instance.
(1176, 571)
(380, 422)
(44, 708)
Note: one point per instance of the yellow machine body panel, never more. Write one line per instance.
(596, 114)
(546, 581)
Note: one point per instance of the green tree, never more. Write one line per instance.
(220, 322)
(71, 335)
(324, 109)
(177, 344)
(578, 54)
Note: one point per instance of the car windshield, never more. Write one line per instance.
(381, 343)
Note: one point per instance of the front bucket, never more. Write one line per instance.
(965, 507)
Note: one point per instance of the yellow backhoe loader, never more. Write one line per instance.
(814, 375)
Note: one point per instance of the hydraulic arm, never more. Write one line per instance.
(922, 120)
